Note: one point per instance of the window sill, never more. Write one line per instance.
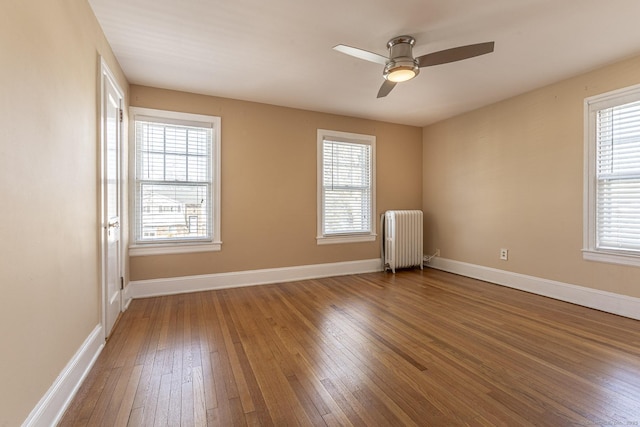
(348, 238)
(611, 257)
(173, 248)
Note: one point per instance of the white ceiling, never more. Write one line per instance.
(280, 51)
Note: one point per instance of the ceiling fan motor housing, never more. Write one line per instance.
(401, 57)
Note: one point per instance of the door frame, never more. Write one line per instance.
(107, 76)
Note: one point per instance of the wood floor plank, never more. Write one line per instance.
(158, 415)
(126, 405)
(106, 394)
(221, 413)
(175, 397)
(199, 406)
(234, 353)
(414, 348)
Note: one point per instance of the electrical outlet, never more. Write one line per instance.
(437, 252)
(504, 254)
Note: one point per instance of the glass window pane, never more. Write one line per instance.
(174, 178)
(618, 177)
(346, 187)
(169, 211)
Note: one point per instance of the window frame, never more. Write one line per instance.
(347, 237)
(592, 105)
(138, 248)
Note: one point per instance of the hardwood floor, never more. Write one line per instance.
(418, 348)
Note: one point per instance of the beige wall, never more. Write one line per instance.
(269, 184)
(49, 190)
(510, 175)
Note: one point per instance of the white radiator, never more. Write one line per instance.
(402, 239)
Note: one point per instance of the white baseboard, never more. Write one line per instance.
(126, 297)
(610, 302)
(55, 401)
(177, 285)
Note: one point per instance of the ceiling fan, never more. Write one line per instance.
(401, 66)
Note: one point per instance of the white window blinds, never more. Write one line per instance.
(346, 187)
(617, 165)
(173, 181)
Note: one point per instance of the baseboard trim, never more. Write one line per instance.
(126, 297)
(610, 302)
(55, 401)
(177, 285)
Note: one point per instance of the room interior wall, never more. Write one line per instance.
(269, 184)
(510, 175)
(49, 185)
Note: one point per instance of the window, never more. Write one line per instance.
(177, 182)
(346, 187)
(612, 177)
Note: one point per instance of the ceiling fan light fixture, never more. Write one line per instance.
(401, 75)
(400, 71)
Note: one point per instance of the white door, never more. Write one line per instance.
(111, 181)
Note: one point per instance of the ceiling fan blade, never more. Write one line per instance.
(361, 54)
(386, 87)
(455, 54)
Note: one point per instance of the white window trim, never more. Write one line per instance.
(157, 248)
(590, 250)
(322, 239)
